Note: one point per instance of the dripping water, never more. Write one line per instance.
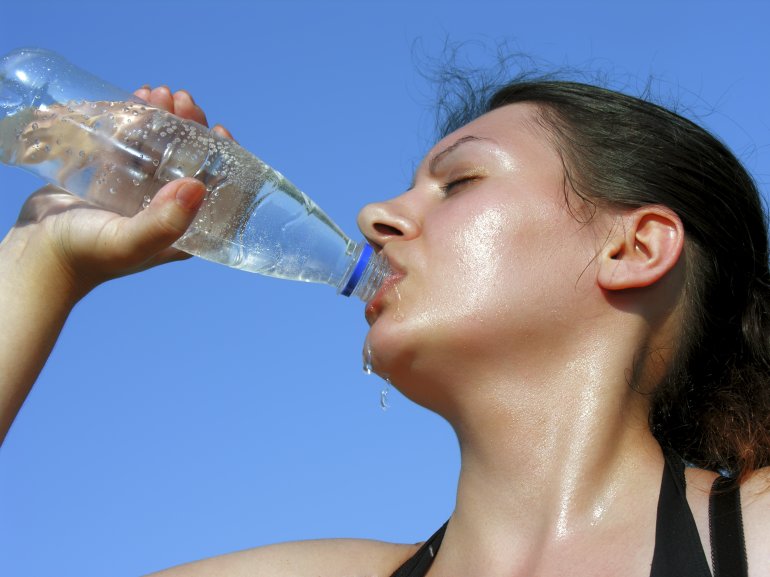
(384, 396)
(384, 405)
(367, 358)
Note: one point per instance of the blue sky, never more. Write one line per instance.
(194, 409)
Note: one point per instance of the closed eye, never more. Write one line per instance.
(456, 185)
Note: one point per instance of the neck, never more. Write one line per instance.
(547, 455)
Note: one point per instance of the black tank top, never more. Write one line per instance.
(678, 550)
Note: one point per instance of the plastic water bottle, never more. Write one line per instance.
(113, 149)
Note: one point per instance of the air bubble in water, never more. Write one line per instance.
(34, 126)
(146, 201)
(156, 162)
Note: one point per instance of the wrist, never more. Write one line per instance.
(29, 263)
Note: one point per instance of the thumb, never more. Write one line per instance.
(166, 218)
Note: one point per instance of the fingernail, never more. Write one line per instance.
(186, 94)
(190, 195)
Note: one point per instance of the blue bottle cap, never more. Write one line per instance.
(363, 260)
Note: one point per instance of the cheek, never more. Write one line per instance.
(508, 268)
(480, 248)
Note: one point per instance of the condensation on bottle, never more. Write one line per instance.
(115, 150)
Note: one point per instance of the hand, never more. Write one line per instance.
(85, 245)
(179, 103)
(62, 246)
(79, 245)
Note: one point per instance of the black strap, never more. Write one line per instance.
(678, 550)
(418, 564)
(728, 548)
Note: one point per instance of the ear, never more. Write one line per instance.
(643, 246)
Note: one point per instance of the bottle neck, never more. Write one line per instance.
(366, 275)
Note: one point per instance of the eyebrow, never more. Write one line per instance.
(436, 160)
(449, 149)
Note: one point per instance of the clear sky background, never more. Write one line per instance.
(195, 409)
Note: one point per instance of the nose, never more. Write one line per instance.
(382, 222)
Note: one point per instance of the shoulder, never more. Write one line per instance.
(755, 505)
(318, 558)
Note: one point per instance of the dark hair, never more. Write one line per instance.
(713, 408)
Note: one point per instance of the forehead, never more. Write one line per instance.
(514, 127)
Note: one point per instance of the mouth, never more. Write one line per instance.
(376, 304)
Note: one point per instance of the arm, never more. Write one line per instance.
(58, 251)
(61, 248)
(318, 558)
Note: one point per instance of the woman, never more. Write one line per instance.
(580, 288)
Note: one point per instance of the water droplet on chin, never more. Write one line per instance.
(397, 314)
(367, 357)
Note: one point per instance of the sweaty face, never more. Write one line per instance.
(490, 264)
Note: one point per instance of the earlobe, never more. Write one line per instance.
(641, 249)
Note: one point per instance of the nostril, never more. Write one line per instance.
(386, 229)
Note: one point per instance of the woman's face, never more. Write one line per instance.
(489, 262)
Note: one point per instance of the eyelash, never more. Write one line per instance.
(447, 188)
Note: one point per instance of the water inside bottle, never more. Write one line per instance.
(118, 154)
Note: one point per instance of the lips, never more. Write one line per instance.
(375, 305)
